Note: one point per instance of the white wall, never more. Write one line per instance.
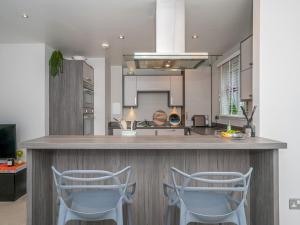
(279, 80)
(23, 91)
(197, 93)
(99, 94)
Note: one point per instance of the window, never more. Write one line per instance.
(230, 104)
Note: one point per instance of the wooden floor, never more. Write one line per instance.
(13, 213)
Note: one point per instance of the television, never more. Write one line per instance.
(8, 143)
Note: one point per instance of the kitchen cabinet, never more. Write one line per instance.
(176, 91)
(153, 83)
(170, 132)
(246, 84)
(246, 69)
(88, 73)
(130, 91)
(71, 100)
(153, 132)
(247, 54)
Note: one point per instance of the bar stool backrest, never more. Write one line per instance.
(235, 185)
(76, 181)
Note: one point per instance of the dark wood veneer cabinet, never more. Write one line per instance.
(66, 98)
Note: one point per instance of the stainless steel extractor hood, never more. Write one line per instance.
(170, 41)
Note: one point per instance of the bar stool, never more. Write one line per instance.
(208, 197)
(93, 195)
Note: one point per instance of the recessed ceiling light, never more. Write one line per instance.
(121, 36)
(25, 16)
(195, 36)
(105, 45)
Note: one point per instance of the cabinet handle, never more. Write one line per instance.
(171, 100)
(135, 100)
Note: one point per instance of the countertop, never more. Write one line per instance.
(151, 142)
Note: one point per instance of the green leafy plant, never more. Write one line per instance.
(56, 63)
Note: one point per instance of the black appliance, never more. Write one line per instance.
(8, 143)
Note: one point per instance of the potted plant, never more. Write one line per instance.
(56, 63)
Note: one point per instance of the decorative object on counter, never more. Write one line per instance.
(19, 155)
(174, 118)
(233, 134)
(160, 118)
(228, 126)
(10, 162)
(250, 127)
(56, 63)
(145, 123)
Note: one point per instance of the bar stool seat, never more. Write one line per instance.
(94, 201)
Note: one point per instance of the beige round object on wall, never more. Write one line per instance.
(160, 118)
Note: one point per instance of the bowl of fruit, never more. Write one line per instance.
(234, 134)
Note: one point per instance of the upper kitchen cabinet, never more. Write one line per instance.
(246, 68)
(153, 83)
(176, 91)
(246, 84)
(130, 91)
(246, 53)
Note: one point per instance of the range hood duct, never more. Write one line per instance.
(170, 40)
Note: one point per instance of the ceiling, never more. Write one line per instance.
(79, 27)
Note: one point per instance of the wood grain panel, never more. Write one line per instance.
(39, 186)
(264, 188)
(150, 171)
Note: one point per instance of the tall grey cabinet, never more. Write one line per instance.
(71, 100)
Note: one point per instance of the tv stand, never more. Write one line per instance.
(12, 183)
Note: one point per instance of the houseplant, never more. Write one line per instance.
(56, 63)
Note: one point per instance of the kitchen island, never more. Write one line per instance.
(151, 158)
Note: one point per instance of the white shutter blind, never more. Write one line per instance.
(230, 87)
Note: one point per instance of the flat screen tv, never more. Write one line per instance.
(7, 141)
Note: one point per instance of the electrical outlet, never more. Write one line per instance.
(294, 203)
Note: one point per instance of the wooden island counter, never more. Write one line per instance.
(151, 159)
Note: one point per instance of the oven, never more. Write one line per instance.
(88, 121)
(88, 98)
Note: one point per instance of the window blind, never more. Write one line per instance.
(230, 87)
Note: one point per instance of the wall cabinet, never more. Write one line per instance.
(246, 68)
(246, 54)
(153, 83)
(135, 84)
(130, 91)
(246, 84)
(176, 91)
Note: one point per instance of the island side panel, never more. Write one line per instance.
(264, 187)
(150, 170)
(39, 187)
